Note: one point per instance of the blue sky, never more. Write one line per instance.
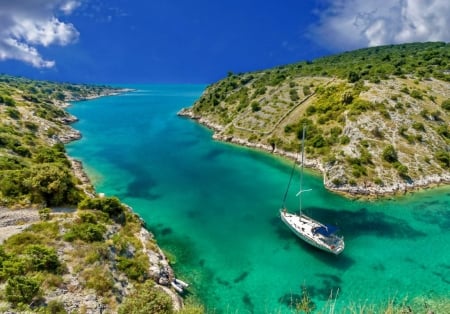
(198, 41)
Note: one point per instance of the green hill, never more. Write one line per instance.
(62, 248)
(34, 125)
(377, 118)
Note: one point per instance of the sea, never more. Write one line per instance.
(213, 208)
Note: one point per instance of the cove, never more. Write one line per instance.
(214, 207)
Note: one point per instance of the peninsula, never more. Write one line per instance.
(63, 248)
(377, 118)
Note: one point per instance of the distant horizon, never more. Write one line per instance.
(198, 42)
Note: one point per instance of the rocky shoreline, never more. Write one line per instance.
(160, 270)
(368, 191)
(71, 292)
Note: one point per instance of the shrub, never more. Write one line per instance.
(418, 126)
(44, 214)
(18, 242)
(416, 94)
(443, 131)
(8, 101)
(21, 289)
(255, 106)
(147, 299)
(85, 231)
(55, 307)
(446, 105)
(12, 266)
(311, 110)
(99, 279)
(293, 94)
(306, 90)
(389, 154)
(353, 77)
(444, 158)
(345, 140)
(43, 258)
(402, 170)
(135, 268)
(13, 113)
(109, 205)
(33, 127)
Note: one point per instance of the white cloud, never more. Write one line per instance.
(26, 24)
(350, 24)
(68, 6)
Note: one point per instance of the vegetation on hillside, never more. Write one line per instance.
(358, 107)
(67, 259)
(34, 169)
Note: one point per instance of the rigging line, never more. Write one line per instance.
(289, 184)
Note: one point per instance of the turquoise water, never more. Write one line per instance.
(214, 206)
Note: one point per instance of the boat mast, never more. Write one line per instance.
(301, 171)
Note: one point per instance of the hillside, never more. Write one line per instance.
(64, 249)
(377, 118)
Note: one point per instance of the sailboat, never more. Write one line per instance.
(306, 228)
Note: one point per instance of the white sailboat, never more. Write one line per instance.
(311, 231)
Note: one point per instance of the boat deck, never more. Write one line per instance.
(304, 227)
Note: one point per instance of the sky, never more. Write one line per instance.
(198, 41)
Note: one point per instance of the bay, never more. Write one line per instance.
(214, 208)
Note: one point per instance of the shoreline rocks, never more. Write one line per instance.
(365, 191)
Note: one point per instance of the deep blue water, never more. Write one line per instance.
(214, 207)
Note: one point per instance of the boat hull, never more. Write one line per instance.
(303, 227)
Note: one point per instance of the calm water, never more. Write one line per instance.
(214, 206)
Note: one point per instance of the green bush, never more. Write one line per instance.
(52, 184)
(49, 155)
(444, 158)
(306, 90)
(446, 105)
(135, 268)
(10, 163)
(55, 307)
(401, 169)
(99, 279)
(418, 126)
(147, 299)
(13, 113)
(389, 154)
(43, 258)
(12, 266)
(44, 214)
(8, 101)
(345, 140)
(18, 242)
(416, 94)
(21, 289)
(255, 106)
(109, 205)
(85, 231)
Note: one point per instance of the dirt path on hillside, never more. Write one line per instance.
(13, 221)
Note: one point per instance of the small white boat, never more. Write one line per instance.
(309, 230)
(179, 285)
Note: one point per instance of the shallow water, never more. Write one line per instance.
(214, 207)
